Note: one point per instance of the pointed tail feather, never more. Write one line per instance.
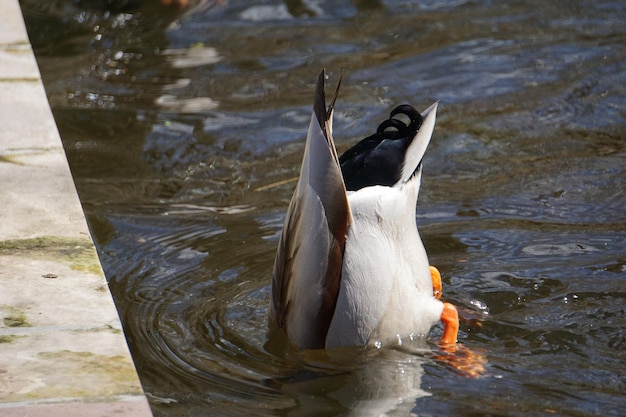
(417, 148)
(310, 253)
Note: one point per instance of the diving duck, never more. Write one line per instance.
(351, 269)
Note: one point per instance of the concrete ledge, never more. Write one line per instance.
(63, 351)
(131, 407)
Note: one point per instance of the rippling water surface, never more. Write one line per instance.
(174, 121)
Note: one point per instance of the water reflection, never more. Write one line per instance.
(380, 383)
(172, 118)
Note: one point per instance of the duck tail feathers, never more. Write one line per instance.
(416, 150)
(314, 234)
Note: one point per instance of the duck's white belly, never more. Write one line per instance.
(386, 289)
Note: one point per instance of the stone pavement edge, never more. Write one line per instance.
(62, 346)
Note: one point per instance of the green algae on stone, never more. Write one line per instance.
(12, 156)
(10, 338)
(9, 160)
(13, 316)
(107, 375)
(79, 254)
(73, 374)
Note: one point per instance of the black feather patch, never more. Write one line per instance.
(378, 159)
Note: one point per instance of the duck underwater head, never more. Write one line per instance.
(351, 269)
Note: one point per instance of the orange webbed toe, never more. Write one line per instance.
(450, 320)
(436, 278)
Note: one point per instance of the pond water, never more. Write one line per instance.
(175, 121)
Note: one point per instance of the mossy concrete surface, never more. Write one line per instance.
(62, 347)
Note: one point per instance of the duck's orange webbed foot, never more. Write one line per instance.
(464, 360)
(435, 276)
(449, 316)
(450, 320)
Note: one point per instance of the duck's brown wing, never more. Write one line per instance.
(307, 269)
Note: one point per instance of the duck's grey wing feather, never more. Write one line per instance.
(308, 263)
